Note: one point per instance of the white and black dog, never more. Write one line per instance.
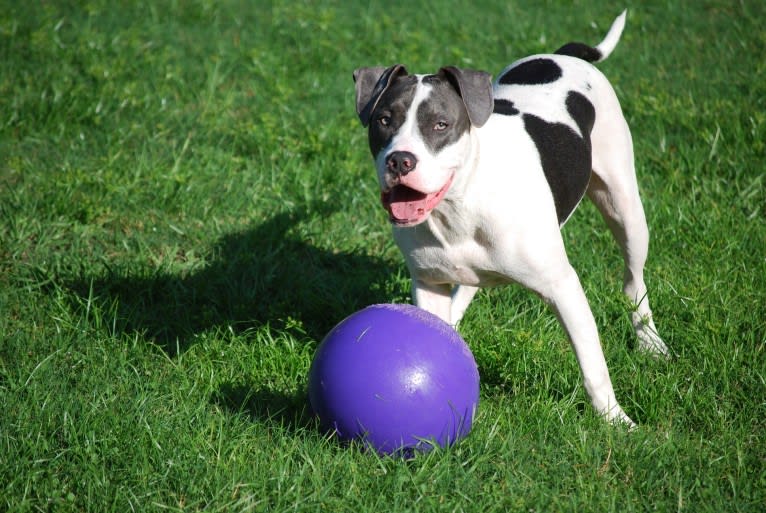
(478, 177)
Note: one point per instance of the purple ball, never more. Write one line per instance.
(395, 377)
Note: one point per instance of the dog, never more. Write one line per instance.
(478, 177)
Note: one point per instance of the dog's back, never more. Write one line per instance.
(557, 97)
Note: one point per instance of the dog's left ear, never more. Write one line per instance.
(370, 84)
(475, 88)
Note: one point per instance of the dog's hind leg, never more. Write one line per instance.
(614, 190)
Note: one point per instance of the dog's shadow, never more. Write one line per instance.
(262, 276)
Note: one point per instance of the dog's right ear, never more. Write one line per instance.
(475, 89)
(371, 83)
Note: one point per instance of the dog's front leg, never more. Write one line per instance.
(434, 298)
(567, 298)
(461, 298)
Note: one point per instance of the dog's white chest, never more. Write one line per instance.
(439, 253)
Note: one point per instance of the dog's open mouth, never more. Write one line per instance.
(408, 207)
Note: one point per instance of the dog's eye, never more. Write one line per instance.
(441, 126)
(384, 120)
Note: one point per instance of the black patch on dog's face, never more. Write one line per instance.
(533, 72)
(564, 154)
(442, 117)
(505, 107)
(390, 113)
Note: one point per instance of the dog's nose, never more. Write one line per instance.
(401, 162)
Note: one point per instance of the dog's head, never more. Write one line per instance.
(418, 132)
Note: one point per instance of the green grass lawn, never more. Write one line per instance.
(187, 205)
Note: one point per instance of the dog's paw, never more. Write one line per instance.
(652, 344)
(649, 341)
(619, 418)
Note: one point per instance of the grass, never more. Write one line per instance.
(187, 205)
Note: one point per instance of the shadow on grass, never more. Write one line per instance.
(259, 276)
(289, 411)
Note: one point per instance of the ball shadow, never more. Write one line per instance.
(286, 410)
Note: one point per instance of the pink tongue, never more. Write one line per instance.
(406, 204)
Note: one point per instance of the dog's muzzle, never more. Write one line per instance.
(399, 163)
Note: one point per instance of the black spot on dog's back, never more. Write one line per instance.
(532, 72)
(565, 155)
(583, 113)
(581, 51)
(505, 107)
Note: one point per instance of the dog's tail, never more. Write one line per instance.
(602, 50)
